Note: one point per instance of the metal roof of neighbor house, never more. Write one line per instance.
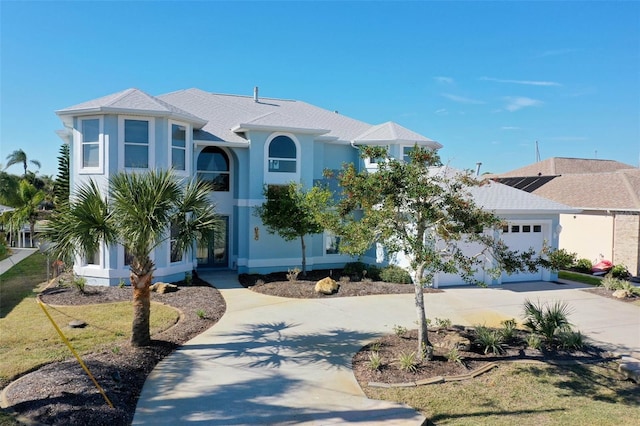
(226, 113)
(504, 199)
(562, 166)
(619, 190)
(131, 101)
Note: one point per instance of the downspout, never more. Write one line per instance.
(353, 145)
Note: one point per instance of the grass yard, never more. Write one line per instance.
(580, 278)
(28, 338)
(526, 394)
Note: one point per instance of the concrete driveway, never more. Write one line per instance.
(272, 360)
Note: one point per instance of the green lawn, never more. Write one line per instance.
(29, 339)
(581, 278)
(524, 394)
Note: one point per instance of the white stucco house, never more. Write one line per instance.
(241, 143)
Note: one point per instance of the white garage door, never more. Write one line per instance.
(522, 237)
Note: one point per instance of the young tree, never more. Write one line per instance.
(61, 183)
(423, 210)
(292, 212)
(139, 213)
(20, 157)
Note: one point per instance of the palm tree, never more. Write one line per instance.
(19, 156)
(140, 212)
(27, 203)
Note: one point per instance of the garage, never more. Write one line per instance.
(522, 236)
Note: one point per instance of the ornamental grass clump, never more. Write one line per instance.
(551, 323)
(489, 340)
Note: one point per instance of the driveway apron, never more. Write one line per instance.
(273, 360)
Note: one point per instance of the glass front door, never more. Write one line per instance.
(216, 253)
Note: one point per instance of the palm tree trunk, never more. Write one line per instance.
(140, 335)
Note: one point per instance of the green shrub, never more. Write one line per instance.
(489, 340)
(362, 270)
(188, 278)
(395, 274)
(611, 283)
(375, 361)
(508, 330)
(79, 283)
(454, 356)
(571, 340)
(443, 322)
(201, 314)
(399, 330)
(545, 320)
(534, 341)
(584, 266)
(620, 271)
(561, 259)
(408, 362)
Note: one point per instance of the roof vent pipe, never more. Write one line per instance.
(478, 164)
(255, 94)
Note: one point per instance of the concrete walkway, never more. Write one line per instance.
(17, 255)
(273, 360)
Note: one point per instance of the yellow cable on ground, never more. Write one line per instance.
(64, 339)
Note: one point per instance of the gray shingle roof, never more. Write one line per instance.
(227, 112)
(562, 166)
(131, 101)
(619, 190)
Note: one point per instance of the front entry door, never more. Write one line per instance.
(216, 253)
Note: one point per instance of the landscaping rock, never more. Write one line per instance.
(621, 294)
(163, 288)
(327, 286)
(454, 341)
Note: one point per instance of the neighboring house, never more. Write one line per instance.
(607, 192)
(240, 144)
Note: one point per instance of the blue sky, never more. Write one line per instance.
(485, 79)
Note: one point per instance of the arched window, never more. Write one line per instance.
(213, 167)
(282, 155)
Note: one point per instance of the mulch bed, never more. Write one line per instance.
(61, 392)
(601, 291)
(390, 348)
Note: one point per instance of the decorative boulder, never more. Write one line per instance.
(454, 341)
(162, 288)
(327, 286)
(621, 294)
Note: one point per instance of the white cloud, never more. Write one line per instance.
(443, 80)
(461, 99)
(514, 103)
(442, 111)
(509, 128)
(525, 82)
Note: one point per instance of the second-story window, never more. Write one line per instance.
(178, 147)
(136, 144)
(91, 143)
(213, 167)
(282, 155)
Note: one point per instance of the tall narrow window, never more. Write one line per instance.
(282, 155)
(128, 257)
(136, 144)
(178, 147)
(332, 243)
(91, 143)
(213, 167)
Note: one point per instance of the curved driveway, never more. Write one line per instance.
(272, 360)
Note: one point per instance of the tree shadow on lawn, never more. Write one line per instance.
(272, 344)
(600, 382)
(483, 415)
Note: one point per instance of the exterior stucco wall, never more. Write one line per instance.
(590, 236)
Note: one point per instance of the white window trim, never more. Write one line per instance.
(121, 264)
(184, 253)
(85, 264)
(281, 178)
(188, 143)
(78, 156)
(152, 142)
(325, 237)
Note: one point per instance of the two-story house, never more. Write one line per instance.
(239, 143)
